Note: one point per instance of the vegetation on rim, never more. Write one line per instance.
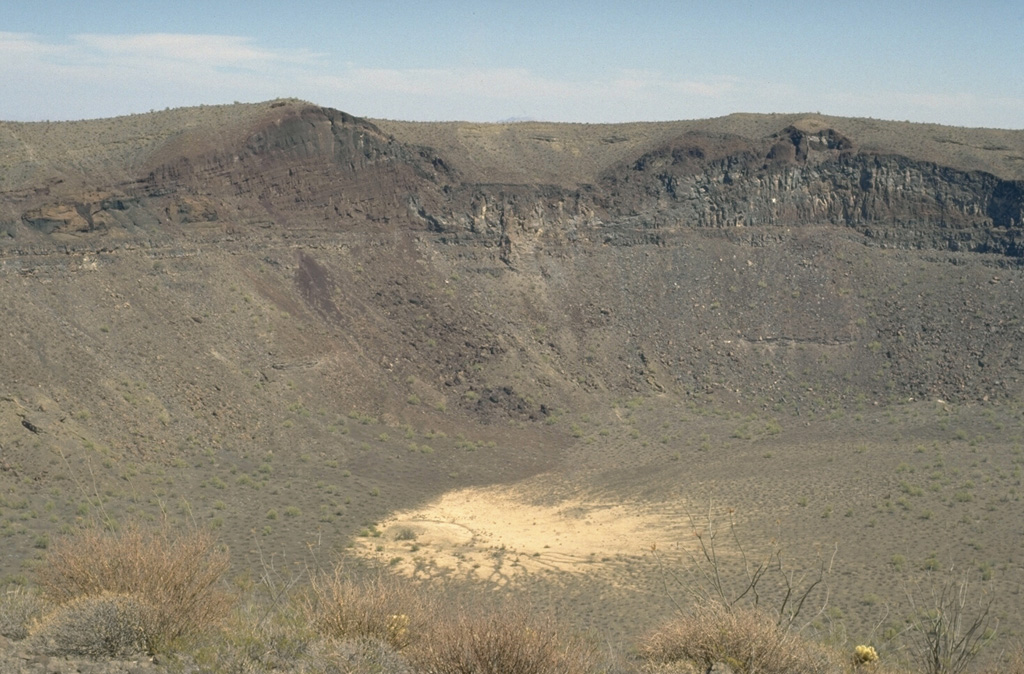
(136, 592)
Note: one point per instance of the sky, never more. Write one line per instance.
(959, 63)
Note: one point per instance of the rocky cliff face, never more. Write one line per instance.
(310, 167)
(710, 262)
(792, 180)
(821, 179)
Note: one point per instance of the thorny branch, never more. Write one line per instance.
(702, 576)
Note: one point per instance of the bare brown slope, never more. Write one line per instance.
(573, 154)
(681, 265)
(115, 149)
(285, 163)
(289, 326)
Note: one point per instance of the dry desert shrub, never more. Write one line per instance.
(19, 608)
(176, 576)
(1016, 663)
(267, 644)
(258, 638)
(368, 656)
(282, 639)
(949, 628)
(98, 626)
(510, 641)
(1009, 662)
(383, 608)
(749, 641)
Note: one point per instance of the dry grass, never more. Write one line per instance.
(745, 639)
(19, 608)
(383, 608)
(258, 638)
(1015, 663)
(175, 576)
(504, 642)
(385, 614)
(119, 593)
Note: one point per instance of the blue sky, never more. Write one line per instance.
(956, 63)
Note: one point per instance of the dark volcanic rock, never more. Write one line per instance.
(722, 261)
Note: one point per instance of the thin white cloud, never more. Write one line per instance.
(478, 82)
(649, 81)
(214, 50)
(514, 83)
(95, 75)
(92, 75)
(27, 46)
(99, 75)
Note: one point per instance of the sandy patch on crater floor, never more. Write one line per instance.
(499, 533)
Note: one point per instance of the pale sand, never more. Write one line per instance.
(500, 533)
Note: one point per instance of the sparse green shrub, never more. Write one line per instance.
(405, 534)
(175, 576)
(985, 568)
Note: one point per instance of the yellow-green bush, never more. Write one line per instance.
(865, 655)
